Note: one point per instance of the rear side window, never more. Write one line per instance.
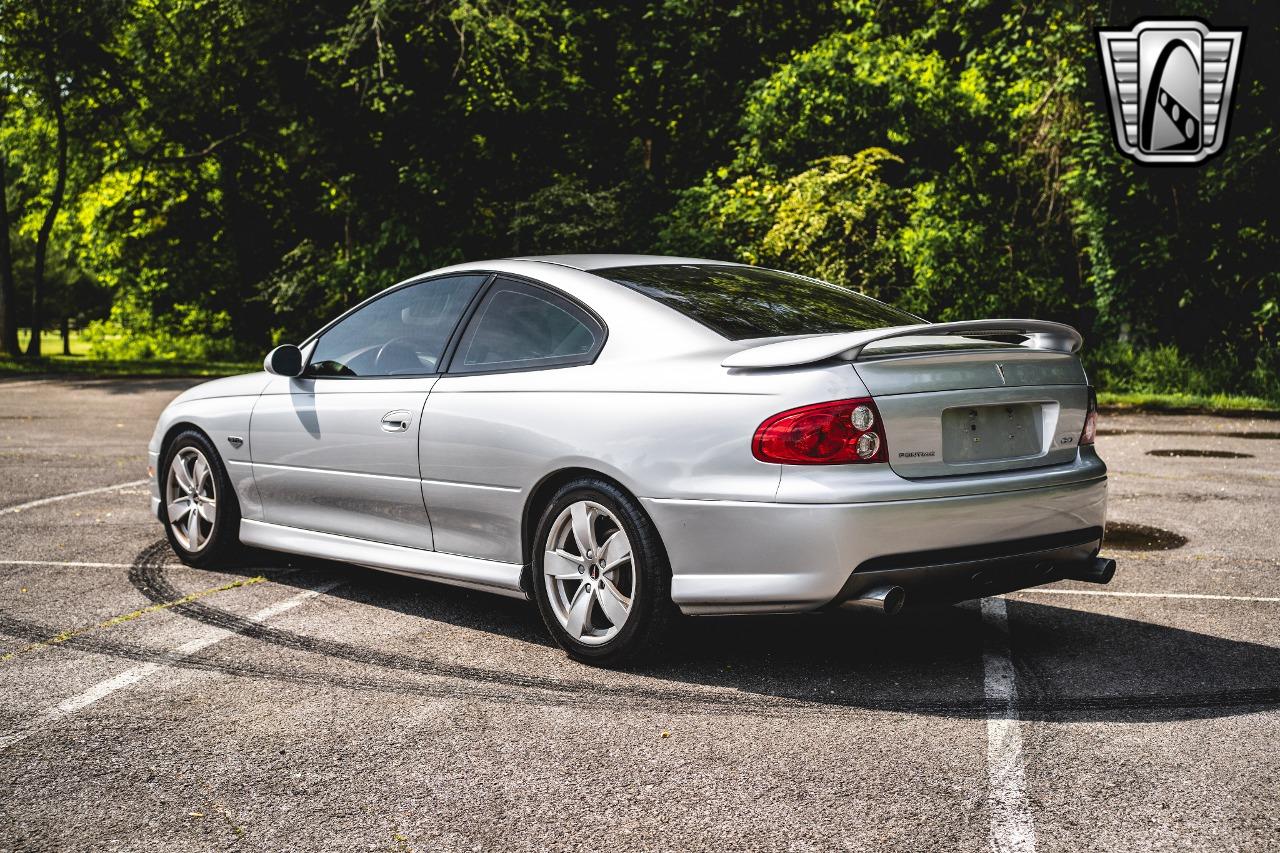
(750, 302)
(518, 326)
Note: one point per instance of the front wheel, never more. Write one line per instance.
(200, 511)
(600, 575)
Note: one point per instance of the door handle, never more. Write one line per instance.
(397, 421)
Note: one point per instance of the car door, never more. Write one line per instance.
(336, 449)
(482, 439)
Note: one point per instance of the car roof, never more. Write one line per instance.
(589, 262)
(636, 321)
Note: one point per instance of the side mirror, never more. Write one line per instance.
(284, 360)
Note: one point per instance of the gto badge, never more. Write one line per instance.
(1169, 84)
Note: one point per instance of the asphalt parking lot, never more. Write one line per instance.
(300, 705)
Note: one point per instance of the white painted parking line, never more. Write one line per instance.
(1192, 596)
(1012, 830)
(42, 501)
(135, 674)
(70, 564)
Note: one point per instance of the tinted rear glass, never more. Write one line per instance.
(749, 302)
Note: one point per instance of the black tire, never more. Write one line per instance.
(222, 544)
(652, 615)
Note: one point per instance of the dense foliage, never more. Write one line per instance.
(198, 178)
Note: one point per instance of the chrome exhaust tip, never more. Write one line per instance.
(883, 599)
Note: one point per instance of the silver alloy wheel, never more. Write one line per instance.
(588, 570)
(191, 497)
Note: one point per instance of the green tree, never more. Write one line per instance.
(1016, 201)
(8, 285)
(232, 173)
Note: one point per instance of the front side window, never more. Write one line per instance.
(401, 334)
(519, 326)
(742, 302)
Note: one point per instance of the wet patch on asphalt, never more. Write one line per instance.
(1123, 536)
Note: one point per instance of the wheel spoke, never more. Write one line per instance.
(615, 607)
(209, 511)
(584, 528)
(559, 564)
(578, 612)
(615, 551)
(179, 509)
(199, 472)
(182, 475)
(193, 531)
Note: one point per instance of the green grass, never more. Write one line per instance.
(1211, 404)
(78, 363)
(51, 342)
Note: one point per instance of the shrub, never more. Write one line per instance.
(1164, 369)
(185, 333)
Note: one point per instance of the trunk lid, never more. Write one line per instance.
(956, 406)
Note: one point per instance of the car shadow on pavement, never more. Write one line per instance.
(1072, 665)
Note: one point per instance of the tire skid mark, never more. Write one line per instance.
(63, 636)
(205, 639)
(149, 577)
(1047, 706)
(297, 675)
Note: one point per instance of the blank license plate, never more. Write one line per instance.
(984, 433)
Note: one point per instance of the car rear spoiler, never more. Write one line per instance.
(849, 345)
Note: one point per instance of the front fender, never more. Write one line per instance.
(222, 410)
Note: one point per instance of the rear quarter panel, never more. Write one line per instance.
(675, 428)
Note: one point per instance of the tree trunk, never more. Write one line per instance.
(66, 335)
(8, 288)
(244, 230)
(55, 204)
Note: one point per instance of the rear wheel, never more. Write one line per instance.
(601, 577)
(200, 512)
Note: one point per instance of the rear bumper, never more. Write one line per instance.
(955, 574)
(757, 557)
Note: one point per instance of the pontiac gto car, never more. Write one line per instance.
(622, 438)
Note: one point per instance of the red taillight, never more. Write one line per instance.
(1090, 430)
(837, 433)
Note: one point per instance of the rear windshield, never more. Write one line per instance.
(749, 302)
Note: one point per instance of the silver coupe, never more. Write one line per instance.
(626, 438)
